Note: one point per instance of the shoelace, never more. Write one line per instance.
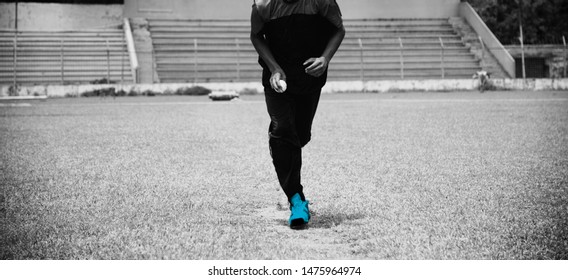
(300, 205)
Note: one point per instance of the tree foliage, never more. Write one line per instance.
(543, 21)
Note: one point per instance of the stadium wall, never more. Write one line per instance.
(492, 43)
(240, 9)
(7, 15)
(37, 16)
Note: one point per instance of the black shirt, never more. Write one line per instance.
(296, 31)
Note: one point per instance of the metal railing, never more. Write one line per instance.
(15, 60)
(402, 59)
(193, 56)
(361, 65)
(237, 43)
(565, 55)
(65, 59)
(482, 51)
(65, 55)
(442, 58)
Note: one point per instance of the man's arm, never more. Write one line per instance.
(318, 65)
(264, 52)
(261, 46)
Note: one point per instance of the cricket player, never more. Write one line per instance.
(295, 40)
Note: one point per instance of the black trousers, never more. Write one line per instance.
(291, 118)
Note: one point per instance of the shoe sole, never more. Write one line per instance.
(298, 224)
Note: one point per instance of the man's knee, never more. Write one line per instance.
(289, 133)
(284, 134)
(281, 128)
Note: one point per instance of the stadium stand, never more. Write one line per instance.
(204, 50)
(220, 50)
(64, 57)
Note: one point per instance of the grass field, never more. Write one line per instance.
(389, 176)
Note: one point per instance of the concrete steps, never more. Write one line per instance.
(220, 50)
(63, 57)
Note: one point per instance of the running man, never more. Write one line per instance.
(295, 40)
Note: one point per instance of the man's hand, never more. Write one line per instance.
(316, 66)
(275, 80)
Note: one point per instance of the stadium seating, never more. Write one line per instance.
(413, 45)
(220, 51)
(64, 57)
(216, 58)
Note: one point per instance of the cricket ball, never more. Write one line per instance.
(283, 85)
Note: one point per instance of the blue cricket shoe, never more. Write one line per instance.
(300, 213)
